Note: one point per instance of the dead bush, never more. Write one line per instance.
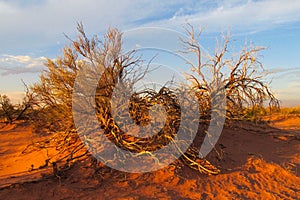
(240, 77)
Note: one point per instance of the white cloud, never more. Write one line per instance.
(241, 16)
(45, 23)
(39, 24)
(11, 64)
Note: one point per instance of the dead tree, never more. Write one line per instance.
(241, 75)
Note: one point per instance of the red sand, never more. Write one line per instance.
(257, 162)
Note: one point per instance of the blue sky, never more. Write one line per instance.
(32, 30)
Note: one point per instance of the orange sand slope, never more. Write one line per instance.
(256, 162)
(14, 139)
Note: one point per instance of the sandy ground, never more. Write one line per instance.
(256, 162)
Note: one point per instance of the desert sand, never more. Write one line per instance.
(259, 161)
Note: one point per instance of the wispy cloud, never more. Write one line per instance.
(290, 93)
(33, 24)
(44, 23)
(239, 15)
(285, 74)
(11, 64)
(286, 84)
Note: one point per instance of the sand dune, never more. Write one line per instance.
(256, 162)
